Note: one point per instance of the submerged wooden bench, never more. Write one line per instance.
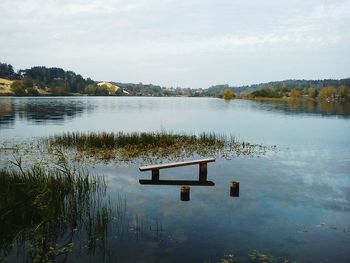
(202, 178)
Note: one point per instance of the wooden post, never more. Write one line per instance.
(234, 189)
(203, 171)
(185, 193)
(155, 175)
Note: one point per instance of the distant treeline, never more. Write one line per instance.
(286, 85)
(327, 89)
(42, 80)
(329, 93)
(55, 80)
(7, 72)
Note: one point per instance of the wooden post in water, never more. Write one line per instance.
(155, 175)
(234, 188)
(203, 171)
(185, 193)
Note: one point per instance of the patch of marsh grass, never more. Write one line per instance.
(154, 145)
(39, 207)
(46, 213)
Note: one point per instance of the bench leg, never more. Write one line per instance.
(203, 172)
(155, 175)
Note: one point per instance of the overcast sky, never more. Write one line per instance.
(190, 43)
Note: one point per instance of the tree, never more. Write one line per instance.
(228, 94)
(328, 93)
(312, 91)
(343, 91)
(7, 72)
(267, 93)
(28, 82)
(32, 92)
(57, 77)
(102, 90)
(59, 90)
(90, 89)
(295, 93)
(18, 88)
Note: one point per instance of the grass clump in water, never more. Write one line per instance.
(154, 145)
(42, 210)
(47, 213)
(121, 139)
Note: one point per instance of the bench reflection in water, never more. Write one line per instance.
(177, 182)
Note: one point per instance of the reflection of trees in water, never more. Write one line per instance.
(335, 108)
(40, 110)
(45, 215)
(311, 107)
(47, 110)
(7, 114)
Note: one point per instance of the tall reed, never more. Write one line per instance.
(39, 207)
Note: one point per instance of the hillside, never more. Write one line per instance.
(284, 84)
(5, 86)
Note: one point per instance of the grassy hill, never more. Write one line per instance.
(5, 86)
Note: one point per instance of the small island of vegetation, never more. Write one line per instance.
(154, 146)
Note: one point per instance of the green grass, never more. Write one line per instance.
(39, 207)
(154, 145)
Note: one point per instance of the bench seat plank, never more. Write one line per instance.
(169, 165)
(176, 182)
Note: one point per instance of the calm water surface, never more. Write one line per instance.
(294, 204)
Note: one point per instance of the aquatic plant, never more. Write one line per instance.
(258, 256)
(44, 213)
(228, 258)
(154, 145)
(253, 256)
(43, 209)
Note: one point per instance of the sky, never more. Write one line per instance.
(189, 43)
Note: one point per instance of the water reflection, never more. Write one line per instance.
(40, 110)
(43, 111)
(309, 107)
(177, 182)
(56, 110)
(7, 114)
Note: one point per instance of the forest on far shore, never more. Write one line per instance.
(53, 81)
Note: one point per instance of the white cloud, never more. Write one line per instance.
(146, 38)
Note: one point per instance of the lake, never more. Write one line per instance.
(294, 204)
